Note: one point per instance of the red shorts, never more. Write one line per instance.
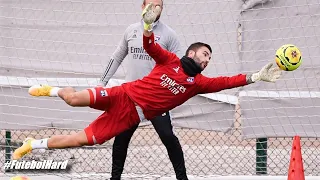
(120, 114)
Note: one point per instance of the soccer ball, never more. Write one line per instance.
(288, 57)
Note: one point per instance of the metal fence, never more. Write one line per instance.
(206, 153)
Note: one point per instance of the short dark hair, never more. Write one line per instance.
(144, 2)
(196, 46)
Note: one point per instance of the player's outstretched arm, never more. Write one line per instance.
(114, 62)
(69, 95)
(159, 54)
(116, 59)
(267, 74)
(149, 15)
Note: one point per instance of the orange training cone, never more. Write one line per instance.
(296, 171)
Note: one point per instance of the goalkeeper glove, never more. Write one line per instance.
(267, 74)
(149, 15)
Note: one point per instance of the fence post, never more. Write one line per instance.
(8, 148)
(261, 155)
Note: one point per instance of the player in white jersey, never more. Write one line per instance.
(139, 65)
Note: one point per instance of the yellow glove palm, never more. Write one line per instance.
(149, 15)
(267, 74)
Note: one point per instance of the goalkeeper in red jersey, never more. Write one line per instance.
(171, 83)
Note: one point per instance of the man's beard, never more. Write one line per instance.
(196, 59)
(158, 17)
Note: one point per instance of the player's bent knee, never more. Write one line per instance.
(69, 99)
(80, 142)
(73, 100)
(90, 138)
(79, 139)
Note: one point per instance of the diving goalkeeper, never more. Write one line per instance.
(171, 82)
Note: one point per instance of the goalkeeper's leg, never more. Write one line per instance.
(68, 94)
(105, 127)
(100, 130)
(55, 142)
(122, 114)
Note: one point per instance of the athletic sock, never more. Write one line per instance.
(54, 91)
(39, 144)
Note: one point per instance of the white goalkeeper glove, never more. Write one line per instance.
(149, 15)
(267, 74)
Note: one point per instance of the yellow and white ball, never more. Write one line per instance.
(288, 57)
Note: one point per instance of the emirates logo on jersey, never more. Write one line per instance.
(172, 85)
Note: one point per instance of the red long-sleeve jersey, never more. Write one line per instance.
(168, 86)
